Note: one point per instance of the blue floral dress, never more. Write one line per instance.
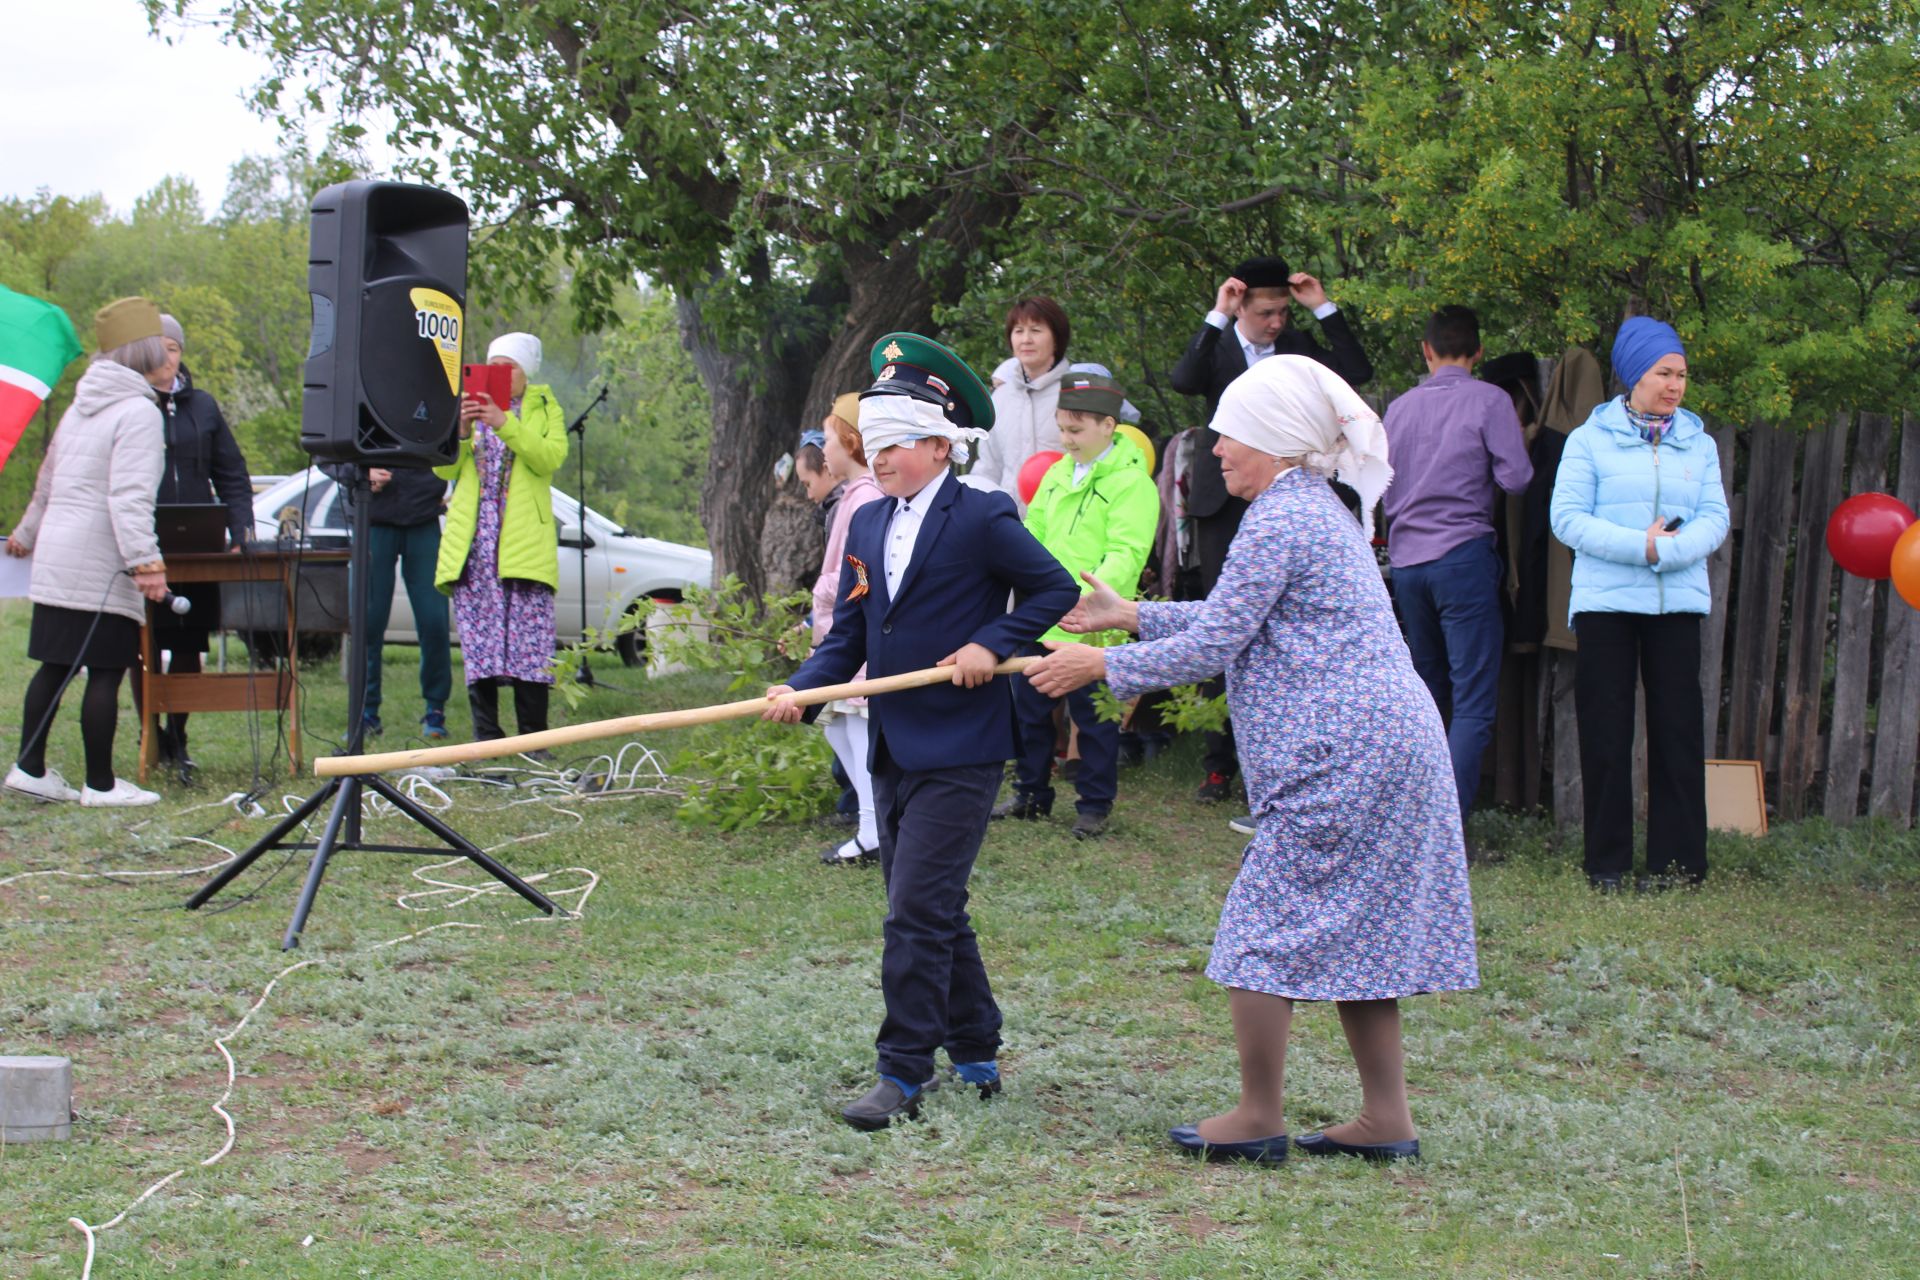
(1355, 885)
(506, 624)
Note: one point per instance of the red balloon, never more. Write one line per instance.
(1034, 469)
(1905, 566)
(1862, 530)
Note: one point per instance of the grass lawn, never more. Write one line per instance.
(1720, 1084)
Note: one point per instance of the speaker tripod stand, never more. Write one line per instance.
(342, 831)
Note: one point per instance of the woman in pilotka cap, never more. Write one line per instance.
(1354, 888)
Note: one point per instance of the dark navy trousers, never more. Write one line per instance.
(931, 974)
(1098, 781)
(1450, 608)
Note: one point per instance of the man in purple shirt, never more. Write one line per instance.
(1454, 442)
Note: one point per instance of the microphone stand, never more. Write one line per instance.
(579, 428)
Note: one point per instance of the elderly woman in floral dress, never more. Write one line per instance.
(1354, 888)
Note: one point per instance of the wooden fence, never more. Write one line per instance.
(1809, 670)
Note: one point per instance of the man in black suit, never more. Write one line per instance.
(1249, 321)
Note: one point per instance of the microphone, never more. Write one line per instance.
(180, 605)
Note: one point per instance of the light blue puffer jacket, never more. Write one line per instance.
(1610, 485)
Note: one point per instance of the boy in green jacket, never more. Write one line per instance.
(1096, 511)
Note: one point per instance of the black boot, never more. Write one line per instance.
(530, 706)
(483, 700)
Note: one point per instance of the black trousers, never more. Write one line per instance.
(1663, 650)
(931, 974)
(1214, 534)
(529, 706)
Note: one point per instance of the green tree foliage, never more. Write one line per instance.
(805, 178)
(1745, 170)
(236, 280)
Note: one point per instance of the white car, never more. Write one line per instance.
(623, 570)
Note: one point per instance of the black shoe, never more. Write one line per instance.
(1661, 884)
(1319, 1144)
(1216, 788)
(1087, 826)
(1022, 807)
(883, 1102)
(1133, 752)
(987, 1088)
(1259, 1151)
(836, 855)
(1605, 884)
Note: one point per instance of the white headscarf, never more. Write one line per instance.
(886, 421)
(521, 348)
(1296, 407)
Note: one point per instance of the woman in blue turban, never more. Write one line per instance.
(1639, 500)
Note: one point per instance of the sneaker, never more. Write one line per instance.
(433, 725)
(123, 795)
(48, 787)
(1214, 789)
(1245, 824)
(370, 727)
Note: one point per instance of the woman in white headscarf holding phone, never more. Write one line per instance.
(1354, 888)
(499, 554)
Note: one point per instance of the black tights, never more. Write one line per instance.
(99, 713)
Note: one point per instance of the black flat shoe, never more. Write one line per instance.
(1605, 884)
(1258, 1151)
(833, 856)
(883, 1102)
(1319, 1144)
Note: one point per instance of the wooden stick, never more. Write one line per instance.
(566, 736)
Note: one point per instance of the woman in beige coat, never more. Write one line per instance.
(92, 521)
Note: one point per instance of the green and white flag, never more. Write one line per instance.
(36, 345)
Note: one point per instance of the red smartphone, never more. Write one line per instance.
(495, 381)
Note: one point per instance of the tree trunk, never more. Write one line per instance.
(785, 381)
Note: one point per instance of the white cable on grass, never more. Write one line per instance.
(560, 783)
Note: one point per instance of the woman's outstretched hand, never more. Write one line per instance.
(1101, 609)
(1067, 667)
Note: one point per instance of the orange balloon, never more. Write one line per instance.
(1906, 565)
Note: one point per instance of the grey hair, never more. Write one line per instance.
(142, 355)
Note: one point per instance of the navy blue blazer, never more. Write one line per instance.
(972, 550)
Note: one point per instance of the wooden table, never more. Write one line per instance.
(250, 690)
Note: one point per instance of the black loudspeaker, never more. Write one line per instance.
(387, 271)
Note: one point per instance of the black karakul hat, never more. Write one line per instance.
(1263, 273)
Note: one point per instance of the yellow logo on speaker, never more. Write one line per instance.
(438, 317)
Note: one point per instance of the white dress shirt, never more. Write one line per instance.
(903, 530)
(1253, 353)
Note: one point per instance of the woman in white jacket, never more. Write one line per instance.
(92, 519)
(1026, 390)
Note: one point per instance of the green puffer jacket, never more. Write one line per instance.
(529, 547)
(1104, 527)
